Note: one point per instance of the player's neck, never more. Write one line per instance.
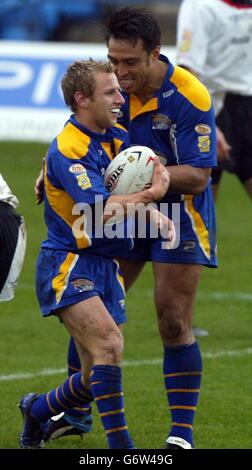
(88, 122)
(155, 81)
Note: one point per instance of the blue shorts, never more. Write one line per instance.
(65, 278)
(195, 224)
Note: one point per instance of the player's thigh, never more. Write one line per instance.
(175, 287)
(92, 326)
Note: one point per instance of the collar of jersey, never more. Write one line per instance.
(136, 109)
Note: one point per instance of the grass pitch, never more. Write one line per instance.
(33, 350)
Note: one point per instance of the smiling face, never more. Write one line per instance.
(101, 110)
(132, 63)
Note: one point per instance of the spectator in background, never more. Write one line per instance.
(12, 242)
(214, 42)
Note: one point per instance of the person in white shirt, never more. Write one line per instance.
(214, 42)
(12, 242)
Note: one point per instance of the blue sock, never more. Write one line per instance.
(106, 386)
(182, 375)
(73, 360)
(70, 394)
(74, 365)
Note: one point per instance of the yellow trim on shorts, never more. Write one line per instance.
(198, 226)
(60, 282)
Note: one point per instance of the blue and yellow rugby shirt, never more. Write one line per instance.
(75, 166)
(177, 123)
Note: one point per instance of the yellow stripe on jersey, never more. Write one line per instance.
(198, 226)
(62, 204)
(72, 142)
(120, 127)
(117, 145)
(107, 147)
(191, 88)
(137, 107)
(59, 283)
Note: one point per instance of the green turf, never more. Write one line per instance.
(31, 344)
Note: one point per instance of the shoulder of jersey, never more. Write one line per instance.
(191, 88)
(72, 142)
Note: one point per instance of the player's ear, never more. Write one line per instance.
(81, 100)
(155, 53)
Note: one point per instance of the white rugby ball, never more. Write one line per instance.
(130, 171)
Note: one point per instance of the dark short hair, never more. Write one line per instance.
(132, 24)
(80, 76)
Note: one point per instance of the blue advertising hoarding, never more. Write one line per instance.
(31, 103)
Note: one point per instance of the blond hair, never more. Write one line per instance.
(80, 76)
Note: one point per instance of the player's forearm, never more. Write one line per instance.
(126, 203)
(186, 179)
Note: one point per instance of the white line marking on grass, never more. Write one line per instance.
(30, 375)
(203, 295)
(46, 372)
(237, 296)
(240, 296)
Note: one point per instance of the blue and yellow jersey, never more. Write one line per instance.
(177, 123)
(75, 167)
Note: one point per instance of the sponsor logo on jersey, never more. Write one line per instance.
(83, 181)
(203, 129)
(122, 303)
(168, 93)
(204, 143)
(77, 169)
(161, 122)
(82, 285)
(113, 178)
(189, 245)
